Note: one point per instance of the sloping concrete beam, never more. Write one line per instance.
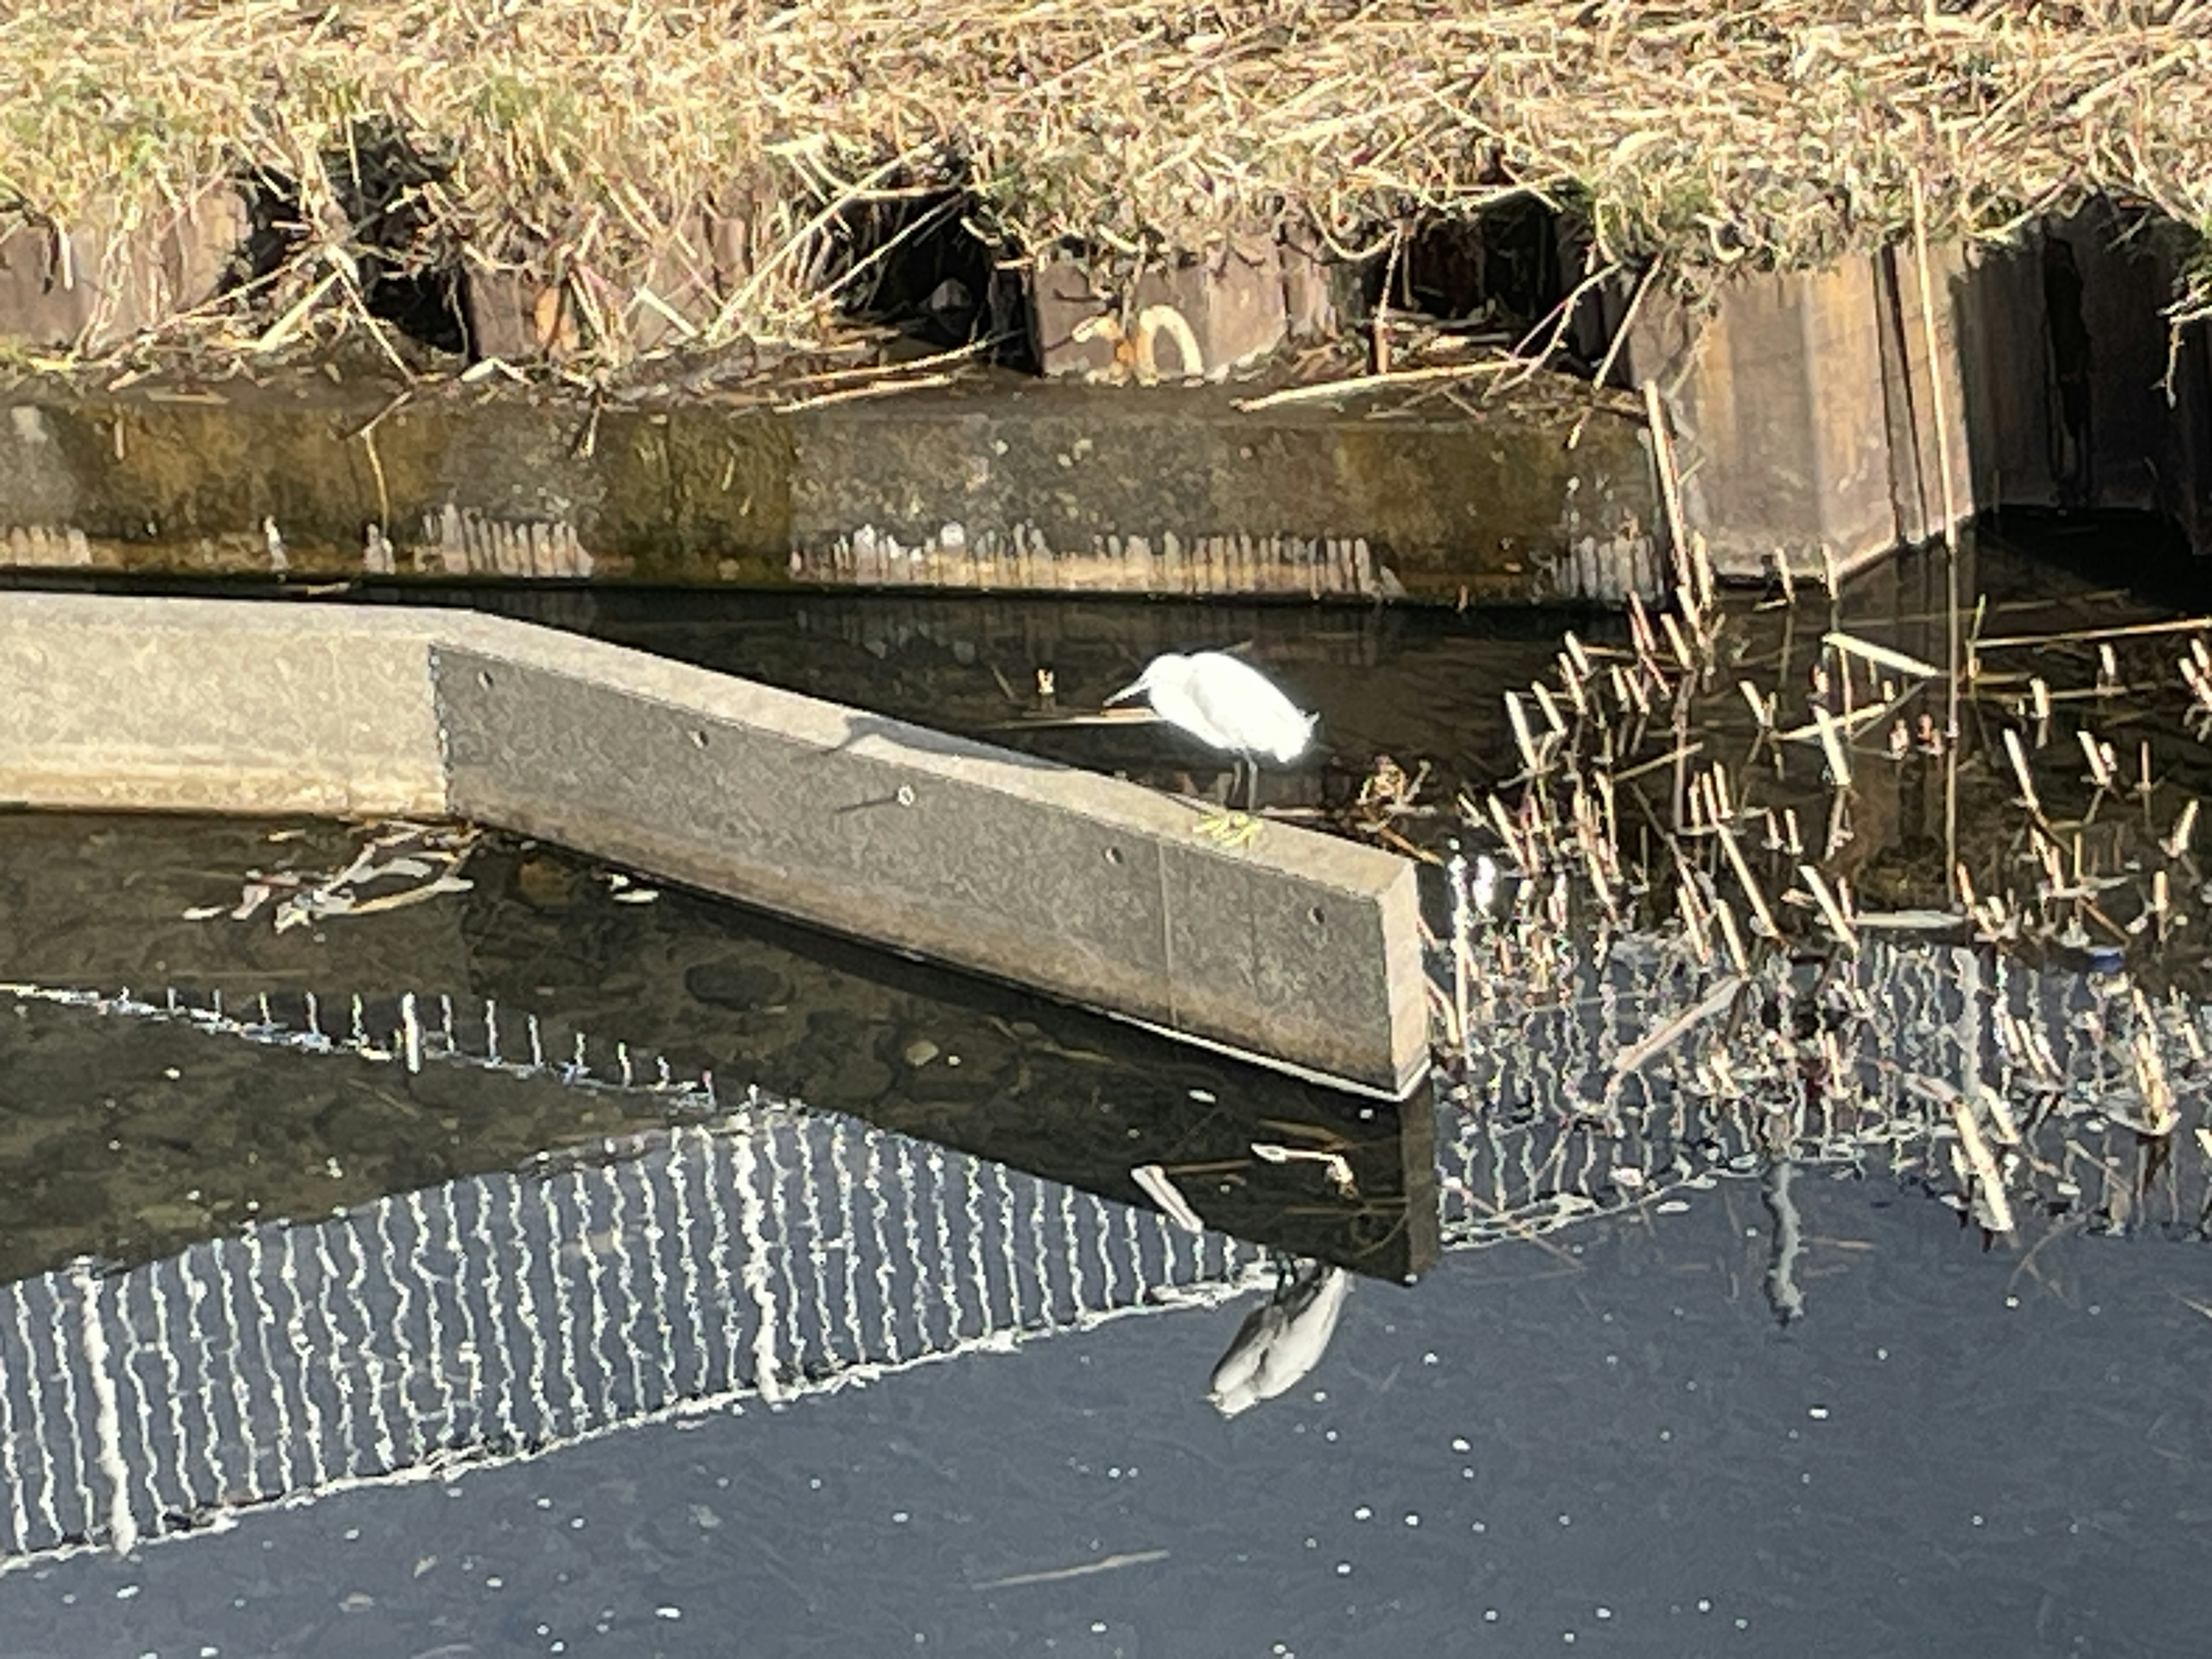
(1301, 950)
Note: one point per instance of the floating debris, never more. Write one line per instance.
(399, 864)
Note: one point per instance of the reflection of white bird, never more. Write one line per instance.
(1280, 1340)
(1226, 704)
(1484, 889)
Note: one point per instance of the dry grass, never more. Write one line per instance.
(596, 133)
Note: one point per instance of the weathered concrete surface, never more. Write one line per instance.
(1807, 416)
(1010, 484)
(1176, 491)
(1804, 414)
(1197, 320)
(176, 705)
(1300, 949)
(101, 282)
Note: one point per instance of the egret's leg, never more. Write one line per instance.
(1233, 826)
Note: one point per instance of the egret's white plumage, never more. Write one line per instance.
(1226, 703)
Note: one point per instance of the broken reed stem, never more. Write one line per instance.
(1670, 486)
(1950, 521)
(1322, 392)
(1935, 398)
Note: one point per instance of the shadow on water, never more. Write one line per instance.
(708, 986)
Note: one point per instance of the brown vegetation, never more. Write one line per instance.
(604, 137)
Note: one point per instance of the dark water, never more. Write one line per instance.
(1613, 1443)
(992, 1436)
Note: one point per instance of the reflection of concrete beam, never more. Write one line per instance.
(771, 1255)
(1300, 949)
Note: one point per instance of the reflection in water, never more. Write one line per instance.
(1282, 1338)
(717, 1251)
(2015, 1095)
(764, 1251)
(768, 1253)
(547, 949)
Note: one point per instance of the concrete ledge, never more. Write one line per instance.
(1302, 950)
(1003, 484)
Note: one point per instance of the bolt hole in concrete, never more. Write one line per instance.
(1314, 916)
(483, 679)
(653, 1251)
(698, 738)
(1113, 855)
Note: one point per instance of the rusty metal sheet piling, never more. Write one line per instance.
(1299, 950)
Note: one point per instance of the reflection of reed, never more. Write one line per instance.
(771, 1253)
(1681, 981)
(2012, 1092)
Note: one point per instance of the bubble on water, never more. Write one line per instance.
(668, 1612)
(1412, 1519)
(1362, 1513)
(1818, 1413)
(1344, 1570)
(1459, 1444)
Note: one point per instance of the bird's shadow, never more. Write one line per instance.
(924, 740)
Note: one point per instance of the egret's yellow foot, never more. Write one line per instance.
(1230, 829)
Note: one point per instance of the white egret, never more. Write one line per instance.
(1226, 704)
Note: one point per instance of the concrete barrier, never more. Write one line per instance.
(1805, 413)
(1300, 949)
(1009, 485)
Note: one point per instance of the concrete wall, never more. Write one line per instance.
(1804, 413)
(1809, 418)
(1015, 484)
(1301, 950)
(2066, 356)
